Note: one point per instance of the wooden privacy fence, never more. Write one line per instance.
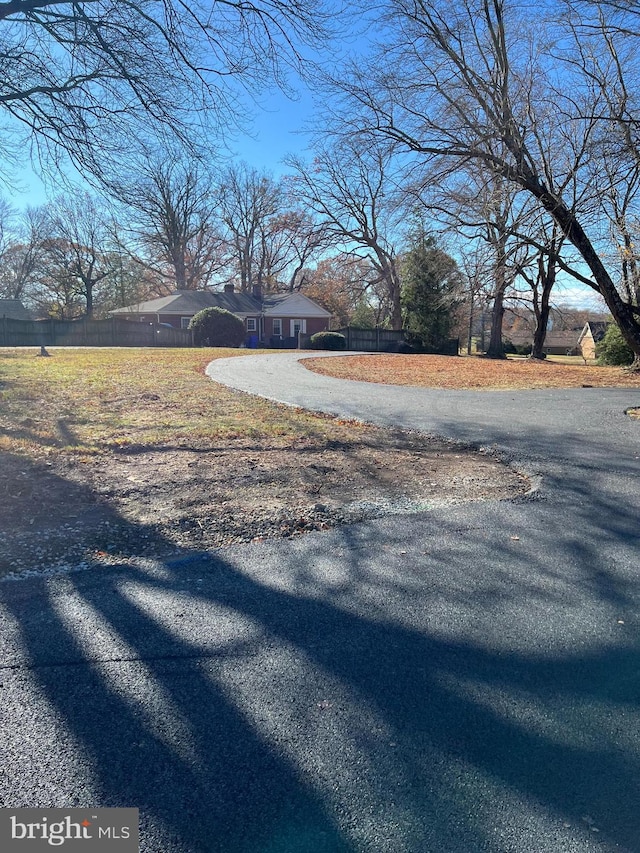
(90, 333)
(387, 340)
(371, 340)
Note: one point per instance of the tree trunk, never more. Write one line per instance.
(626, 315)
(389, 272)
(541, 308)
(396, 311)
(540, 334)
(89, 299)
(496, 347)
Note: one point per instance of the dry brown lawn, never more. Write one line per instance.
(471, 373)
(110, 452)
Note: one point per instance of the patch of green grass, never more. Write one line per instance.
(576, 360)
(87, 401)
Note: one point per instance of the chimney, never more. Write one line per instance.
(228, 288)
(256, 292)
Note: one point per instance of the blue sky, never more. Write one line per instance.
(30, 190)
(275, 121)
(276, 132)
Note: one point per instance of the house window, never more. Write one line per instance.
(277, 327)
(252, 325)
(298, 326)
(184, 322)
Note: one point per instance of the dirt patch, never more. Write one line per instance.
(154, 501)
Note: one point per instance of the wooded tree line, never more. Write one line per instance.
(174, 225)
(528, 115)
(509, 133)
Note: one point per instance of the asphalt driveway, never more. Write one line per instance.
(458, 680)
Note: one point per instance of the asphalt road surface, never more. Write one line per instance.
(458, 680)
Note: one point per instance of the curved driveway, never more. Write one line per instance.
(547, 588)
(462, 680)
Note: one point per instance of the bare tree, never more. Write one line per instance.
(76, 248)
(250, 204)
(22, 254)
(290, 241)
(604, 53)
(172, 227)
(353, 193)
(475, 204)
(90, 78)
(477, 81)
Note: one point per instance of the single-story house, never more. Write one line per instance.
(592, 334)
(555, 343)
(270, 318)
(13, 309)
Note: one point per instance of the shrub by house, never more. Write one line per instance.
(217, 327)
(328, 340)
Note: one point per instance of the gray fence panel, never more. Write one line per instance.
(371, 340)
(90, 333)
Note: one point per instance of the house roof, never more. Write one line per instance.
(292, 305)
(14, 309)
(596, 328)
(186, 303)
(566, 339)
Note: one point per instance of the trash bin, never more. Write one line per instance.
(253, 342)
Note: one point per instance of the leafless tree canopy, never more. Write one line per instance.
(171, 221)
(87, 78)
(352, 191)
(538, 95)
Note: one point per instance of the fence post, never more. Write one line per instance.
(4, 330)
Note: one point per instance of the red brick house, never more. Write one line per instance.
(271, 318)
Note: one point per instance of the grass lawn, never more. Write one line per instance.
(473, 373)
(90, 401)
(106, 453)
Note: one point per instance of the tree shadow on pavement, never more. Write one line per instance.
(394, 694)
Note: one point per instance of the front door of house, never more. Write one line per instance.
(297, 326)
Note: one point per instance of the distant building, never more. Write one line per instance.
(272, 318)
(592, 333)
(13, 309)
(555, 343)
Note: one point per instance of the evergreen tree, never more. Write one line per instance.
(613, 349)
(431, 290)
